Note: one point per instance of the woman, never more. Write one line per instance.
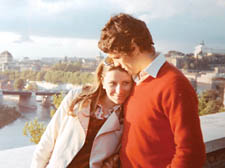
(86, 129)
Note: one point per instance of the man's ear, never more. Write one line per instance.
(135, 48)
(133, 45)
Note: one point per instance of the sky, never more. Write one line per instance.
(59, 28)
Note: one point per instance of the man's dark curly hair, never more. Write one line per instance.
(121, 31)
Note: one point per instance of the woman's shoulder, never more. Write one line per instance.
(80, 89)
(74, 92)
(87, 88)
(76, 95)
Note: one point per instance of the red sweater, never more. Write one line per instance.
(161, 125)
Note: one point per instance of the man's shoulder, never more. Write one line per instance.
(170, 71)
(170, 77)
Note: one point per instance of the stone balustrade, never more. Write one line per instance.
(213, 128)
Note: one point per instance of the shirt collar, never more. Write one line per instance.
(99, 113)
(152, 69)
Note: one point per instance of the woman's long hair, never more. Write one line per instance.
(93, 92)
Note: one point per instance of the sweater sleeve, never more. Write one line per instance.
(45, 147)
(182, 112)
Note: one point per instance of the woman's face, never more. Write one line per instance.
(117, 85)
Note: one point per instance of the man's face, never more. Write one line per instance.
(125, 61)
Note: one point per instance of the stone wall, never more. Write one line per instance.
(215, 159)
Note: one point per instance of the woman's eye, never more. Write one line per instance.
(126, 83)
(112, 83)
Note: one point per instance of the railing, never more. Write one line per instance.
(29, 93)
(213, 129)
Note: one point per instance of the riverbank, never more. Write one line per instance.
(8, 115)
(11, 135)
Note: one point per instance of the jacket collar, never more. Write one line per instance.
(111, 124)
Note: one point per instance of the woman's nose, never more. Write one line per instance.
(116, 63)
(119, 89)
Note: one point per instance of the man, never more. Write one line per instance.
(161, 122)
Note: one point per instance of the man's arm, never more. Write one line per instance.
(185, 125)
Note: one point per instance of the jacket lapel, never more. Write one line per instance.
(111, 124)
(84, 117)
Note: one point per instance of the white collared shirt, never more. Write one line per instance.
(151, 70)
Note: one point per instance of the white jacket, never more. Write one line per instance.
(65, 135)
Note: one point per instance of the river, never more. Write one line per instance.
(11, 136)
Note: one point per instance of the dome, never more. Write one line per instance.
(6, 54)
(6, 57)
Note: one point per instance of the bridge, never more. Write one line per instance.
(28, 98)
(29, 93)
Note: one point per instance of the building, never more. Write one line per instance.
(202, 50)
(176, 58)
(6, 61)
(6, 57)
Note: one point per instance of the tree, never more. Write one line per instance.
(67, 67)
(35, 129)
(57, 99)
(70, 74)
(40, 76)
(32, 87)
(210, 102)
(19, 84)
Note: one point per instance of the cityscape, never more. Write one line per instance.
(48, 47)
(204, 67)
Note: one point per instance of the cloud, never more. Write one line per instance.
(23, 38)
(151, 8)
(60, 18)
(12, 3)
(69, 46)
(167, 45)
(8, 37)
(38, 46)
(161, 9)
(75, 24)
(220, 3)
(54, 7)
